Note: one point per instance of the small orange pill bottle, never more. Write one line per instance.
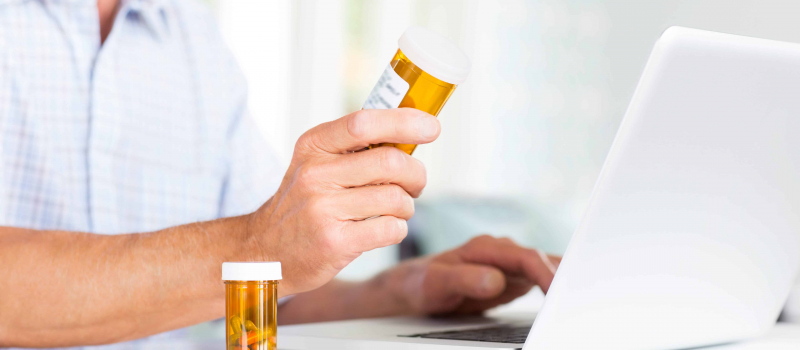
(251, 304)
(422, 74)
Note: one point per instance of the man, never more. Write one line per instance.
(129, 171)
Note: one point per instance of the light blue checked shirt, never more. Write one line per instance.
(147, 131)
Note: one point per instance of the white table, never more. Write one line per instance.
(211, 337)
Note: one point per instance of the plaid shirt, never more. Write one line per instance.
(147, 131)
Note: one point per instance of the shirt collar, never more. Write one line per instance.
(152, 12)
(156, 3)
(9, 2)
(144, 4)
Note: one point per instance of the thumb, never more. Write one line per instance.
(470, 280)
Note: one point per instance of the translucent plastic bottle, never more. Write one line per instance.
(423, 74)
(251, 304)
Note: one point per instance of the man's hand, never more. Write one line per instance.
(170, 278)
(325, 213)
(483, 273)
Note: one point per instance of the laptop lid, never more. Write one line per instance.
(692, 235)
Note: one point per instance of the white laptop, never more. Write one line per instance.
(692, 236)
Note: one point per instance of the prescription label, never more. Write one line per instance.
(388, 92)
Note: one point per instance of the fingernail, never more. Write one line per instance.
(402, 224)
(488, 282)
(428, 127)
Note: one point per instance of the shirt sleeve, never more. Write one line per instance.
(254, 170)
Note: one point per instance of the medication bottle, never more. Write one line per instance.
(423, 74)
(251, 304)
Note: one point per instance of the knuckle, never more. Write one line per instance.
(358, 125)
(305, 141)
(391, 159)
(309, 173)
(506, 241)
(482, 239)
(477, 243)
(396, 196)
(304, 138)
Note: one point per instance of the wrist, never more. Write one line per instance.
(226, 238)
(390, 287)
(254, 237)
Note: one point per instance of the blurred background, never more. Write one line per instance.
(523, 139)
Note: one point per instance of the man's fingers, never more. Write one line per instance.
(468, 280)
(375, 233)
(380, 165)
(511, 258)
(359, 203)
(370, 126)
(515, 288)
(555, 260)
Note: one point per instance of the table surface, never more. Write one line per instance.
(207, 336)
(211, 335)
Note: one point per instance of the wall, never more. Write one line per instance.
(530, 128)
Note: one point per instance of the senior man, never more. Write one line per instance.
(129, 171)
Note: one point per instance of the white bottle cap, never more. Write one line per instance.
(251, 271)
(435, 54)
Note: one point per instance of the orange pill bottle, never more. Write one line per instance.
(251, 304)
(422, 74)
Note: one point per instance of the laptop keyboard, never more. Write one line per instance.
(497, 334)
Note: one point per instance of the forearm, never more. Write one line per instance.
(339, 300)
(67, 288)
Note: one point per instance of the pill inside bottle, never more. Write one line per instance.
(251, 304)
(422, 74)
